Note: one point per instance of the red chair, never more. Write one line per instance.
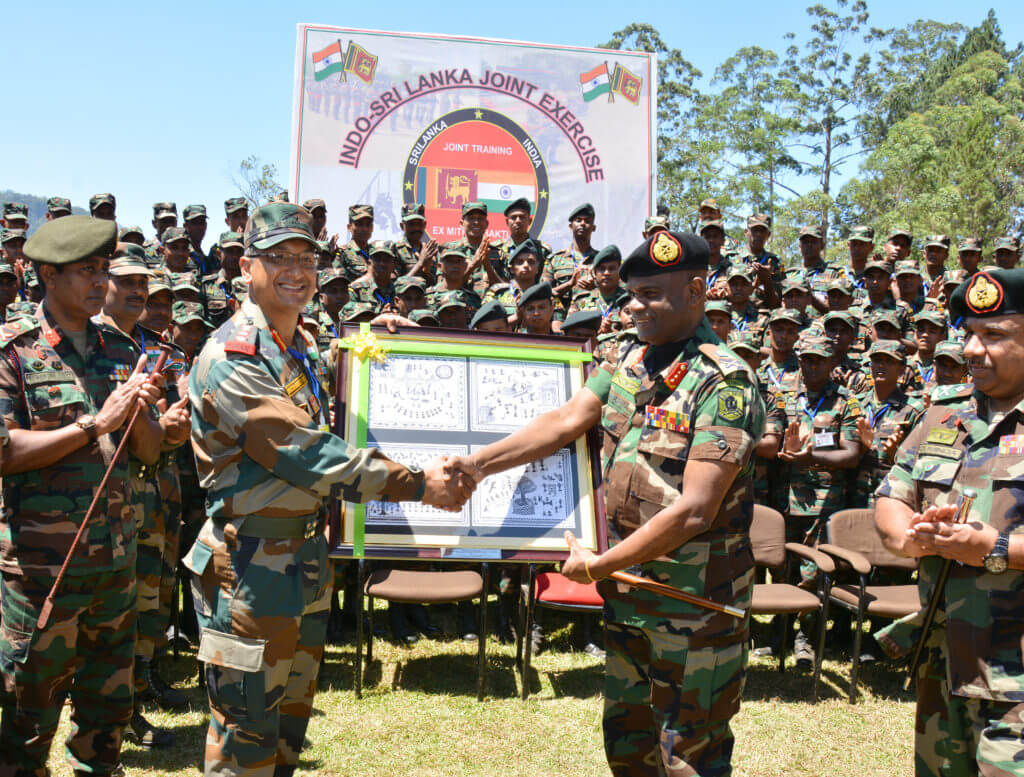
(557, 592)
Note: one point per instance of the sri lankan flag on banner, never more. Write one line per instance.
(626, 83)
(451, 188)
(360, 62)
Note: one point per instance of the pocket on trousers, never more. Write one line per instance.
(242, 653)
(234, 674)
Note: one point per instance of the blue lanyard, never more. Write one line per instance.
(925, 376)
(776, 379)
(806, 409)
(745, 322)
(381, 298)
(875, 415)
(303, 360)
(199, 263)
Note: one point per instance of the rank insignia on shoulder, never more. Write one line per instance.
(942, 436)
(660, 418)
(1011, 445)
(677, 374)
(730, 403)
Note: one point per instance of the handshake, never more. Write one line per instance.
(450, 481)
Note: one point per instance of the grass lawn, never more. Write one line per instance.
(419, 716)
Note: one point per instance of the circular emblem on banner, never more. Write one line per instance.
(984, 294)
(475, 155)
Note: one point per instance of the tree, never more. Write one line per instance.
(257, 181)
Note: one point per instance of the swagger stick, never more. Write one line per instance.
(674, 593)
(969, 495)
(44, 613)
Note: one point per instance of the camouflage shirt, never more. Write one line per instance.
(780, 378)
(748, 260)
(479, 279)
(595, 300)
(959, 444)
(352, 260)
(45, 384)
(885, 418)
(751, 318)
(560, 268)
(467, 294)
(703, 406)
(366, 290)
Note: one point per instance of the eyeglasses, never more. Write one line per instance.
(302, 261)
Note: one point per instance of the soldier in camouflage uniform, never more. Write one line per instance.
(103, 206)
(680, 415)
(1006, 252)
(487, 262)
(608, 296)
(950, 364)
(879, 299)
(334, 293)
(566, 272)
(236, 213)
(850, 371)
(262, 579)
(218, 299)
(969, 254)
(57, 207)
(970, 679)
(860, 244)
(814, 272)
(780, 372)
(519, 218)
(377, 286)
(453, 277)
(12, 246)
(910, 284)
(8, 289)
(194, 222)
(766, 266)
(133, 235)
(413, 254)
(713, 233)
(354, 258)
(930, 329)
(746, 316)
(66, 388)
(719, 317)
(16, 216)
(524, 265)
(936, 252)
(165, 216)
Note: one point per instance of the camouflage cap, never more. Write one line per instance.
(230, 239)
(842, 284)
(382, 247)
(492, 311)
(16, 210)
(740, 270)
(885, 317)
(891, 348)
(123, 232)
(173, 234)
(877, 264)
(103, 198)
(951, 349)
(759, 220)
(907, 267)
(128, 263)
(709, 202)
(812, 230)
(451, 251)
(313, 203)
(862, 234)
(164, 209)
(843, 316)
(6, 269)
(194, 212)
(654, 223)
(235, 204)
(182, 312)
(157, 284)
(186, 282)
(424, 317)
(406, 282)
(711, 224)
(932, 315)
(276, 222)
(1006, 244)
(330, 275)
(591, 319)
(970, 244)
(131, 249)
(354, 311)
(938, 241)
(71, 239)
(954, 278)
(58, 205)
(794, 284)
(356, 212)
(520, 204)
(474, 206)
(450, 299)
(717, 306)
(9, 235)
(814, 344)
(785, 314)
(413, 211)
(746, 340)
(584, 209)
(610, 253)
(900, 232)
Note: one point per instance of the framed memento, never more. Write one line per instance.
(422, 393)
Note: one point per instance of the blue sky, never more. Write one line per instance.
(162, 101)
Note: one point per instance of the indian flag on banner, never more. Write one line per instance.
(595, 82)
(498, 196)
(328, 61)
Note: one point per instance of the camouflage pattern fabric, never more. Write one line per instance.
(969, 718)
(266, 456)
(719, 271)
(508, 295)
(466, 294)
(896, 412)
(781, 378)
(748, 259)
(352, 260)
(919, 377)
(218, 299)
(866, 313)
(478, 278)
(753, 319)
(365, 290)
(405, 255)
(816, 278)
(853, 373)
(563, 264)
(595, 300)
(770, 484)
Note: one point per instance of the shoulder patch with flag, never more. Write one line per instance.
(328, 61)
(595, 82)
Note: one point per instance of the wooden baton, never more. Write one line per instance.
(674, 593)
(44, 613)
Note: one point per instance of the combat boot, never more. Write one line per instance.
(163, 694)
(145, 734)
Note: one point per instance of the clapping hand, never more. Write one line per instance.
(796, 448)
(866, 433)
(450, 481)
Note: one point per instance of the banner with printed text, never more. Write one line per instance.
(389, 118)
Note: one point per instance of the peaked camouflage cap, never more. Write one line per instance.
(125, 231)
(891, 348)
(970, 244)
(356, 212)
(1006, 244)
(314, 203)
(900, 232)
(171, 234)
(164, 210)
(814, 344)
(406, 282)
(7, 235)
(353, 311)
(235, 204)
(656, 223)
(384, 247)
(841, 284)
(330, 275)
(938, 241)
(711, 203)
(424, 316)
(931, 315)
(6, 269)
(230, 239)
(907, 267)
(785, 314)
(951, 349)
(843, 316)
(276, 222)
(129, 263)
(744, 341)
(812, 230)
(194, 212)
(103, 198)
(15, 210)
(717, 306)
(413, 211)
(862, 233)
(759, 220)
(182, 312)
(58, 205)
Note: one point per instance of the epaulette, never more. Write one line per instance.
(723, 358)
(14, 329)
(946, 395)
(244, 340)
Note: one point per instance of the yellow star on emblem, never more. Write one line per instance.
(542, 194)
(478, 113)
(408, 186)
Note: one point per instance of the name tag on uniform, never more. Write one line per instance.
(294, 386)
(48, 376)
(942, 435)
(824, 439)
(623, 381)
(660, 418)
(1011, 445)
(944, 451)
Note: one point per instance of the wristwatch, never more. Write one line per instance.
(87, 424)
(997, 561)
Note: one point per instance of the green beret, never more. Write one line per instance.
(58, 205)
(654, 223)
(382, 247)
(71, 239)
(932, 315)
(354, 311)
(536, 293)
(194, 212)
(591, 319)
(521, 204)
(362, 211)
(814, 344)
(862, 234)
(406, 282)
(173, 234)
(586, 209)
(331, 275)
(988, 293)
(474, 205)
(104, 198)
(841, 315)
(424, 316)
(666, 252)
(785, 314)
(492, 311)
(314, 203)
(937, 241)
(811, 230)
(610, 253)
(164, 209)
(235, 204)
(744, 341)
(951, 349)
(526, 247)
(413, 211)
(183, 312)
(123, 232)
(276, 222)
(891, 348)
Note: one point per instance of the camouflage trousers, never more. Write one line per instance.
(86, 652)
(667, 707)
(956, 736)
(157, 508)
(262, 608)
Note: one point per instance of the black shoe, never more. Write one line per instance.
(802, 650)
(146, 735)
(165, 696)
(595, 651)
(400, 631)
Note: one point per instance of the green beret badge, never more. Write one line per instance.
(984, 293)
(665, 250)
